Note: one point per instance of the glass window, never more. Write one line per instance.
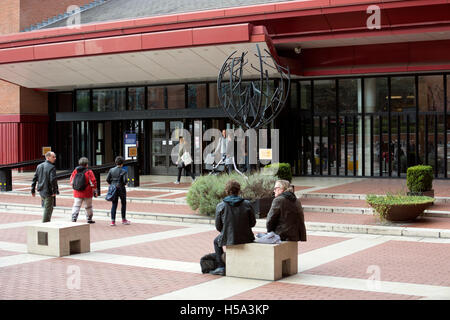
(156, 97)
(293, 95)
(348, 95)
(197, 96)
(376, 98)
(403, 94)
(325, 96)
(83, 101)
(136, 99)
(176, 97)
(213, 98)
(431, 93)
(64, 102)
(305, 95)
(107, 100)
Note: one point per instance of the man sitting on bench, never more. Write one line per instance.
(285, 217)
(235, 218)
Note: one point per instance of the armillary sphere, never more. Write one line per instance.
(254, 103)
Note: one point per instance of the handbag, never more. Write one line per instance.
(186, 158)
(112, 192)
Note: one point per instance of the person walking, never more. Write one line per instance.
(84, 187)
(235, 218)
(285, 216)
(119, 177)
(47, 184)
(180, 163)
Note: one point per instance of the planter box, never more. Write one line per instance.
(261, 207)
(406, 212)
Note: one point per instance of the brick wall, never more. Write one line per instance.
(34, 11)
(9, 16)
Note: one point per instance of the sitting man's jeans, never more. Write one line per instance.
(219, 252)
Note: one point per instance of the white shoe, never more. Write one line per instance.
(177, 182)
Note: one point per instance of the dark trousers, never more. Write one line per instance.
(48, 203)
(219, 252)
(122, 194)
(188, 171)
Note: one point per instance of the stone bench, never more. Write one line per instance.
(58, 238)
(262, 261)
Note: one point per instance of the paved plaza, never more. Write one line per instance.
(349, 253)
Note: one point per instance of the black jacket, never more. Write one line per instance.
(45, 179)
(286, 218)
(235, 218)
(117, 176)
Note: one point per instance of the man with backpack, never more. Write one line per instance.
(84, 187)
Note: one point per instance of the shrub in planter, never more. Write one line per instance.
(281, 170)
(399, 207)
(419, 179)
(207, 191)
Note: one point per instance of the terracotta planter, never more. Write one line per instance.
(405, 212)
(261, 207)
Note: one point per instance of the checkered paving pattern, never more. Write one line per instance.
(160, 259)
(398, 262)
(286, 291)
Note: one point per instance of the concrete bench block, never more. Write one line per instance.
(58, 238)
(262, 261)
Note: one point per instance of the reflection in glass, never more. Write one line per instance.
(159, 130)
(305, 95)
(213, 98)
(136, 99)
(196, 96)
(403, 94)
(156, 98)
(431, 93)
(348, 95)
(83, 101)
(107, 100)
(376, 97)
(324, 96)
(176, 97)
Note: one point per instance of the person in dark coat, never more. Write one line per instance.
(235, 218)
(47, 184)
(285, 217)
(119, 177)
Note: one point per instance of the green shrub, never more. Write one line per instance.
(382, 204)
(281, 170)
(207, 191)
(419, 178)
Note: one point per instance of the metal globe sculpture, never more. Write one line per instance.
(252, 104)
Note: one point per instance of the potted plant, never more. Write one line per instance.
(207, 191)
(419, 180)
(258, 189)
(399, 207)
(281, 170)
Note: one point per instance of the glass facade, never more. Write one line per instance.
(374, 126)
(108, 100)
(351, 126)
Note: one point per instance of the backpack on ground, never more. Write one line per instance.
(208, 263)
(79, 181)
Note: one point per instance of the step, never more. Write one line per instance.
(261, 223)
(347, 196)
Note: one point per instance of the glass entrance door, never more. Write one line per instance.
(164, 137)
